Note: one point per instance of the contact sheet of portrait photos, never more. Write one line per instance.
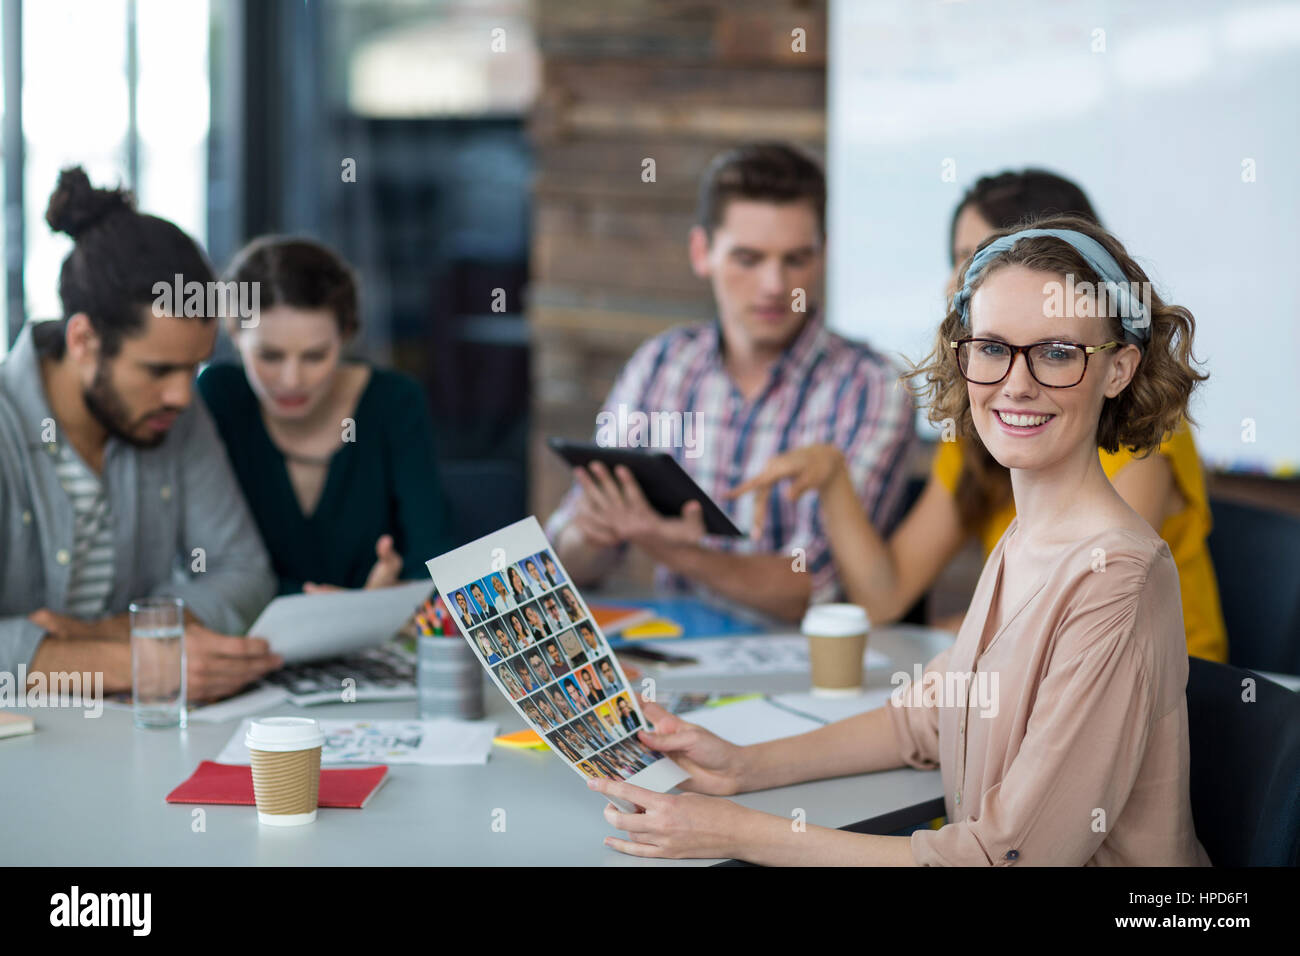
(517, 607)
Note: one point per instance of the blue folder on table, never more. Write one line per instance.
(696, 618)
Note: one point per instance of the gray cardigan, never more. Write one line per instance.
(166, 502)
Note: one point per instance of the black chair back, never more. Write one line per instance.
(1256, 554)
(1245, 773)
(919, 612)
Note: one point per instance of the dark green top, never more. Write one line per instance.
(385, 481)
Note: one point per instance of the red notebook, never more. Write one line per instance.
(233, 784)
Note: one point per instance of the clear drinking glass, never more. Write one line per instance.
(158, 662)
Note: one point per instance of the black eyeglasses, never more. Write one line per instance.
(1052, 364)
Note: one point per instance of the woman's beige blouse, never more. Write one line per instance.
(1065, 742)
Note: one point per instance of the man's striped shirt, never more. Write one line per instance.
(90, 577)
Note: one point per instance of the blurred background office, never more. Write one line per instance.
(481, 163)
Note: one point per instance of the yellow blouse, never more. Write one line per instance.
(1186, 533)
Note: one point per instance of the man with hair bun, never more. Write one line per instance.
(113, 483)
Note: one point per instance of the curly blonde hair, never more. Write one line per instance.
(1152, 405)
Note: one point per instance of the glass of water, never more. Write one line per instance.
(158, 662)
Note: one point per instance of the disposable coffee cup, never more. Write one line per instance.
(285, 755)
(837, 641)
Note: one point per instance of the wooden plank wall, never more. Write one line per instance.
(623, 81)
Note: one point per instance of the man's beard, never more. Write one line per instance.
(106, 406)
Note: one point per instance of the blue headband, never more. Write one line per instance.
(1132, 316)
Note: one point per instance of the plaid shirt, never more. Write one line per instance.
(823, 389)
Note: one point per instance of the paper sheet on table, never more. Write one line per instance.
(432, 742)
(751, 721)
(307, 626)
(756, 720)
(731, 656)
(831, 709)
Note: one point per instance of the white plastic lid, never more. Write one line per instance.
(277, 734)
(835, 620)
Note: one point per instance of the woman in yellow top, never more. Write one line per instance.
(969, 493)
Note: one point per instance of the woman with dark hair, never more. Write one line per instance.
(969, 491)
(1010, 199)
(1058, 717)
(520, 591)
(336, 458)
(523, 637)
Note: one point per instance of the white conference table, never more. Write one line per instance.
(89, 792)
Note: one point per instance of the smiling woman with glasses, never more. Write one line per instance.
(1081, 757)
(968, 493)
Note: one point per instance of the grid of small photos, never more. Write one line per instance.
(538, 640)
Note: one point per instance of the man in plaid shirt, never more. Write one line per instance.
(764, 377)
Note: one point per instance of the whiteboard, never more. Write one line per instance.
(1179, 118)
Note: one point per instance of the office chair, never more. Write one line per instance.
(1256, 554)
(1245, 777)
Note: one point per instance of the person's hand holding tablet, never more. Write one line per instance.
(623, 497)
(612, 510)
